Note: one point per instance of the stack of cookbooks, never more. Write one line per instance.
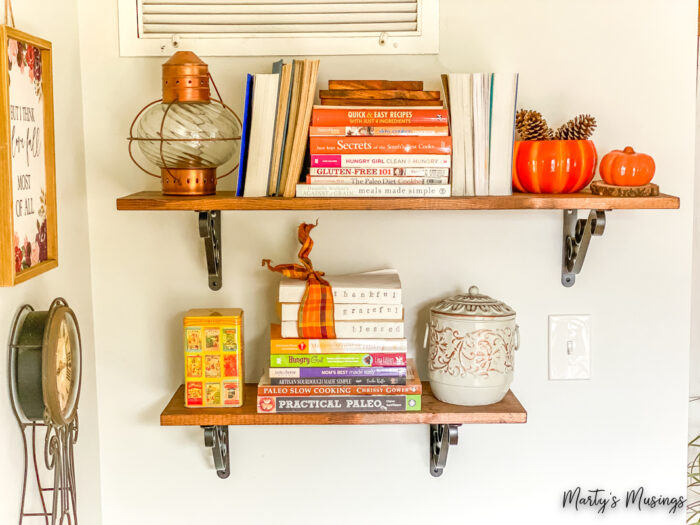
(378, 138)
(363, 370)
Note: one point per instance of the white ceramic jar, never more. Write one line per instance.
(472, 339)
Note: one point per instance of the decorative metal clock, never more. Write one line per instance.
(45, 368)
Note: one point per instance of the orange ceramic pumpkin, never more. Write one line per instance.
(627, 168)
(553, 166)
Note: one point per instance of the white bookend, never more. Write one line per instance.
(349, 312)
(379, 287)
(354, 329)
(505, 93)
(457, 127)
(262, 127)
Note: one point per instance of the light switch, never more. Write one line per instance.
(569, 347)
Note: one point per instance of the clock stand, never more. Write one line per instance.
(45, 421)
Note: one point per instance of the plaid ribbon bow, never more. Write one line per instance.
(316, 309)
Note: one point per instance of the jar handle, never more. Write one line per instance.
(425, 337)
(517, 337)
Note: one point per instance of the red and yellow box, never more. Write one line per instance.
(214, 374)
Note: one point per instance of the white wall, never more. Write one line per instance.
(694, 407)
(58, 23)
(631, 64)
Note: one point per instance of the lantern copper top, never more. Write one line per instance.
(185, 78)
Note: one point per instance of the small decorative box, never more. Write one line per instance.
(214, 374)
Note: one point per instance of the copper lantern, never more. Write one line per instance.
(187, 133)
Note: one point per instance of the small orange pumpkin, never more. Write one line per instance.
(627, 168)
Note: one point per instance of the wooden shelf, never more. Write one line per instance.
(226, 200)
(443, 420)
(433, 412)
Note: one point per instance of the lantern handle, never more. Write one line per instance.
(131, 138)
(221, 101)
(239, 123)
(162, 140)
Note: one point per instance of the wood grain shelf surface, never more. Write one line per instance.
(226, 200)
(433, 411)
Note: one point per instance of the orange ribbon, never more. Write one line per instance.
(316, 309)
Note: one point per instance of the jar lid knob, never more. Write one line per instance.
(473, 290)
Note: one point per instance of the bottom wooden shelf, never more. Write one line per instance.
(444, 420)
(433, 412)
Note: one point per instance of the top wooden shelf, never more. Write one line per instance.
(226, 200)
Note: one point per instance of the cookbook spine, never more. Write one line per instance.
(379, 131)
(415, 388)
(337, 346)
(314, 372)
(350, 160)
(373, 190)
(381, 145)
(379, 172)
(358, 116)
(282, 404)
(376, 180)
(338, 381)
(336, 360)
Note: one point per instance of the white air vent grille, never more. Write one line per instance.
(278, 27)
(213, 17)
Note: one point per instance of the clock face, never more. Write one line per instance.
(62, 365)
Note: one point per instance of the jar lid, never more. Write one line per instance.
(473, 304)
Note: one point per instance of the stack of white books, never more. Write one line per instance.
(367, 305)
(364, 369)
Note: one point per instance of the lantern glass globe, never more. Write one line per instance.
(193, 121)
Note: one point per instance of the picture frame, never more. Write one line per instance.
(28, 221)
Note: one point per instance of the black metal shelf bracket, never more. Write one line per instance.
(210, 231)
(216, 438)
(576, 238)
(441, 437)
(577, 234)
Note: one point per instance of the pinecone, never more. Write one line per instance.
(522, 115)
(579, 128)
(531, 126)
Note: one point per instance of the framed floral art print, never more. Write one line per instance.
(28, 235)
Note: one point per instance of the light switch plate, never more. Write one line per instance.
(569, 347)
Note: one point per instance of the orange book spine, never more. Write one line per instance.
(351, 116)
(378, 131)
(381, 145)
